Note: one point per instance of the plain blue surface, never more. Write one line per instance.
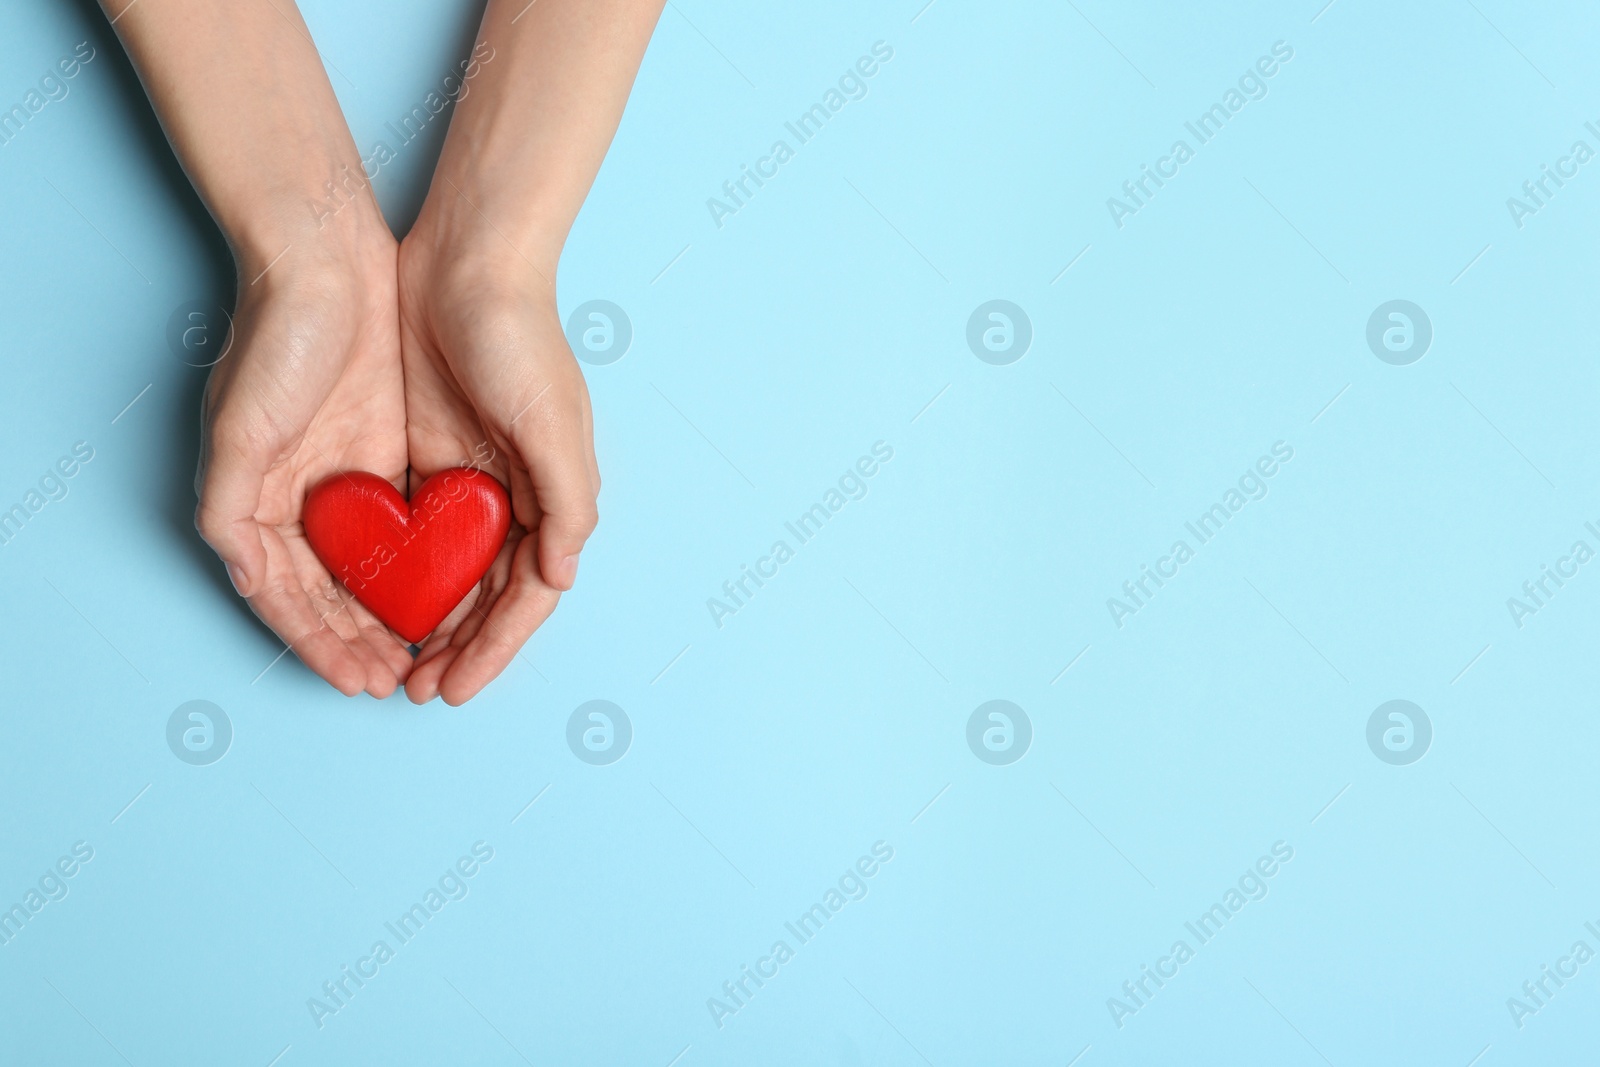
(831, 711)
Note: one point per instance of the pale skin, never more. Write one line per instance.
(354, 352)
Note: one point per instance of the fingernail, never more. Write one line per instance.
(567, 571)
(236, 576)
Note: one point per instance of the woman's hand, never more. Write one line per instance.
(311, 386)
(489, 377)
(491, 383)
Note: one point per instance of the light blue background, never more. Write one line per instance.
(827, 714)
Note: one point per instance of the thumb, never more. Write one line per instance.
(558, 455)
(229, 480)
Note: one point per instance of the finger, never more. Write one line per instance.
(524, 606)
(442, 646)
(435, 643)
(472, 622)
(230, 494)
(467, 618)
(380, 680)
(423, 685)
(304, 607)
(383, 676)
(556, 448)
(456, 630)
(361, 627)
(288, 611)
(395, 655)
(366, 638)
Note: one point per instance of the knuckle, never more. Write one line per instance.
(209, 522)
(583, 518)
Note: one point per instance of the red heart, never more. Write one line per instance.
(410, 564)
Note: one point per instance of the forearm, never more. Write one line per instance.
(243, 97)
(536, 118)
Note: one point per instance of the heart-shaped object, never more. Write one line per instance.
(409, 563)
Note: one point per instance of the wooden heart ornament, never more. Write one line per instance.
(409, 563)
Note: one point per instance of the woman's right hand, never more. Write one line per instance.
(311, 385)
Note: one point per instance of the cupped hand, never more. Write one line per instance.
(311, 386)
(490, 382)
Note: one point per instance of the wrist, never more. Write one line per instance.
(303, 226)
(339, 283)
(473, 224)
(460, 256)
